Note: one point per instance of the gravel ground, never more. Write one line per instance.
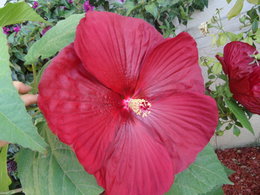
(246, 163)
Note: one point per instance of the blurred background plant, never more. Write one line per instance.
(159, 13)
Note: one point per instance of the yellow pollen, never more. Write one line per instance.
(140, 106)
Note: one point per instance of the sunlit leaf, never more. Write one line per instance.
(5, 181)
(217, 68)
(248, 40)
(14, 13)
(222, 39)
(236, 9)
(256, 2)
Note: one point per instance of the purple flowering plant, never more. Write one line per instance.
(87, 6)
(35, 5)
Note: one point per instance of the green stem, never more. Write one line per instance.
(35, 90)
(12, 191)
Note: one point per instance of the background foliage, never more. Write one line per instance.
(232, 115)
(51, 164)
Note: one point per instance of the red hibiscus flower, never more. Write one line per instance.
(243, 71)
(130, 103)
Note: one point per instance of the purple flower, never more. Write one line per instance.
(16, 28)
(87, 6)
(45, 30)
(11, 166)
(63, 7)
(35, 4)
(70, 1)
(6, 30)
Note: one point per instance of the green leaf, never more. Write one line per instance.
(236, 9)
(216, 191)
(255, 26)
(57, 172)
(15, 123)
(164, 3)
(130, 6)
(39, 74)
(214, 40)
(256, 2)
(227, 92)
(228, 1)
(5, 180)
(240, 115)
(228, 171)
(248, 40)
(54, 40)
(152, 9)
(236, 131)
(202, 176)
(234, 37)
(222, 39)
(217, 68)
(211, 76)
(219, 133)
(14, 13)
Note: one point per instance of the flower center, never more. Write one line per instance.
(141, 107)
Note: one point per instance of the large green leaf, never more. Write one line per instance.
(14, 13)
(54, 40)
(240, 114)
(236, 9)
(57, 172)
(202, 176)
(15, 123)
(5, 181)
(257, 2)
(216, 191)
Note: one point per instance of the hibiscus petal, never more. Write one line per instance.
(112, 48)
(251, 103)
(84, 114)
(137, 164)
(171, 66)
(237, 55)
(184, 122)
(247, 90)
(79, 110)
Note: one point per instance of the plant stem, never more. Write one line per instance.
(12, 191)
(34, 79)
